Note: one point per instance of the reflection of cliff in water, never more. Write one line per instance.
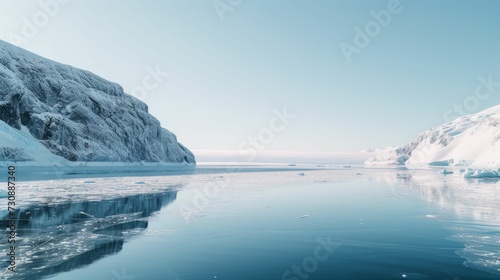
(58, 238)
(476, 204)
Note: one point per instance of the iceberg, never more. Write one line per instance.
(471, 140)
(480, 173)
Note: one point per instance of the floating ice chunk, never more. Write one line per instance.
(413, 275)
(304, 216)
(448, 162)
(481, 173)
(445, 172)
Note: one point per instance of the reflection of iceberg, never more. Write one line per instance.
(482, 180)
(61, 237)
(474, 200)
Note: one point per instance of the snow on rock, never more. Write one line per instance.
(469, 140)
(389, 156)
(20, 145)
(480, 173)
(76, 115)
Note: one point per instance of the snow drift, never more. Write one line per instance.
(468, 140)
(75, 115)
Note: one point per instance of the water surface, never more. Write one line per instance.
(351, 223)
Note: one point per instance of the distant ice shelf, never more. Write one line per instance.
(471, 140)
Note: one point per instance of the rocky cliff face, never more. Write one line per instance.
(78, 115)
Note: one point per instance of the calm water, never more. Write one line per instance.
(351, 223)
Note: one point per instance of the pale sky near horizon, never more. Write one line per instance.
(226, 78)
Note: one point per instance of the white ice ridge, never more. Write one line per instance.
(471, 140)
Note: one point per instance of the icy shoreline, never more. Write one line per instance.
(26, 172)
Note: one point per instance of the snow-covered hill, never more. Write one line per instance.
(75, 115)
(20, 145)
(468, 140)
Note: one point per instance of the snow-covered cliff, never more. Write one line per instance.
(75, 115)
(468, 140)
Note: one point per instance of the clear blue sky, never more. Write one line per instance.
(227, 76)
